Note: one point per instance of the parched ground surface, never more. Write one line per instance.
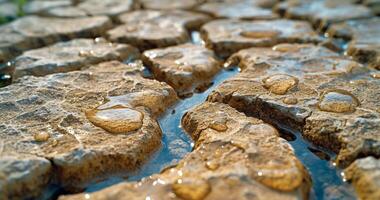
(84, 85)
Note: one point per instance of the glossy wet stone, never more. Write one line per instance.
(184, 67)
(148, 29)
(365, 175)
(323, 13)
(336, 106)
(169, 4)
(279, 83)
(33, 32)
(70, 56)
(229, 36)
(110, 8)
(253, 161)
(364, 36)
(47, 118)
(243, 10)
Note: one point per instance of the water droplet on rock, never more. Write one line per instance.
(116, 119)
(286, 48)
(212, 165)
(41, 136)
(191, 189)
(85, 53)
(290, 100)
(338, 101)
(376, 75)
(99, 40)
(280, 83)
(219, 125)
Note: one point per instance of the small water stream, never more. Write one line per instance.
(328, 182)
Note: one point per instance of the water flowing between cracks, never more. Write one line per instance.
(327, 180)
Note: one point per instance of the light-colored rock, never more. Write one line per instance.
(22, 176)
(337, 104)
(184, 67)
(8, 10)
(39, 7)
(33, 32)
(365, 41)
(63, 118)
(323, 13)
(170, 4)
(226, 37)
(365, 176)
(244, 10)
(148, 29)
(110, 8)
(248, 160)
(70, 56)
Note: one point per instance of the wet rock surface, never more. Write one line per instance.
(365, 175)
(40, 7)
(184, 67)
(334, 102)
(323, 13)
(233, 153)
(243, 10)
(70, 56)
(33, 32)
(228, 36)
(365, 43)
(148, 29)
(77, 127)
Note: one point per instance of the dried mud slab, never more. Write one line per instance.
(147, 29)
(365, 41)
(184, 67)
(226, 37)
(245, 10)
(70, 56)
(235, 157)
(33, 32)
(324, 13)
(365, 175)
(170, 4)
(76, 127)
(332, 100)
(110, 8)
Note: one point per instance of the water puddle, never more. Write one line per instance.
(327, 181)
(175, 142)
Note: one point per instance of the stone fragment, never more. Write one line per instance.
(8, 11)
(229, 36)
(23, 175)
(374, 5)
(336, 97)
(39, 7)
(50, 118)
(184, 67)
(248, 160)
(245, 10)
(70, 56)
(365, 175)
(33, 32)
(111, 8)
(148, 29)
(364, 36)
(324, 13)
(170, 4)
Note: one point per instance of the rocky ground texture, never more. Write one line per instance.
(85, 84)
